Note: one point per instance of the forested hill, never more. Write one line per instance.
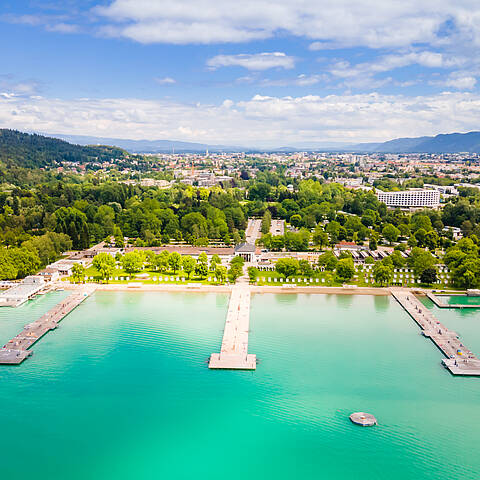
(33, 151)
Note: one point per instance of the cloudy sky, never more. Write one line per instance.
(241, 72)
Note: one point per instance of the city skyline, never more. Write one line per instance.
(263, 74)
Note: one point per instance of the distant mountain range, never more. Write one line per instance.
(149, 146)
(444, 143)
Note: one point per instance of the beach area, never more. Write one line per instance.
(288, 289)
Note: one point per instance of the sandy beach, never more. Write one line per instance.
(124, 287)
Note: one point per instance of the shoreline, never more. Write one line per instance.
(115, 287)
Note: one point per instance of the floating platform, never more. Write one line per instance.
(16, 350)
(363, 419)
(460, 360)
(438, 302)
(234, 351)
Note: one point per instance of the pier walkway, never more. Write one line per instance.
(438, 302)
(460, 360)
(17, 350)
(234, 351)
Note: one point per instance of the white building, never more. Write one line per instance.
(410, 198)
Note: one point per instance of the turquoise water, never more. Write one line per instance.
(459, 300)
(122, 391)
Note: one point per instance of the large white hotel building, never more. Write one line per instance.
(410, 198)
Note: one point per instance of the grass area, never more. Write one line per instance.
(119, 276)
(328, 279)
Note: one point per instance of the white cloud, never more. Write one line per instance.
(63, 28)
(165, 81)
(371, 23)
(255, 61)
(262, 120)
(460, 81)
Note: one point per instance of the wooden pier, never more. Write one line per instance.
(441, 304)
(234, 351)
(460, 360)
(17, 350)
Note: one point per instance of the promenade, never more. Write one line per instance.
(460, 360)
(17, 350)
(234, 351)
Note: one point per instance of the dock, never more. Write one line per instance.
(234, 351)
(17, 350)
(460, 360)
(438, 302)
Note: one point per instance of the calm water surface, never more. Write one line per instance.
(122, 391)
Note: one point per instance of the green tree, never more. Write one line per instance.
(105, 265)
(266, 221)
(235, 271)
(252, 274)
(391, 233)
(78, 273)
(305, 268)
(214, 261)
(175, 261)
(8, 270)
(345, 269)
(72, 222)
(328, 260)
(383, 274)
(287, 267)
(132, 262)
(429, 276)
(161, 260)
(237, 260)
(201, 269)
(220, 273)
(419, 260)
(188, 265)
(320, 237)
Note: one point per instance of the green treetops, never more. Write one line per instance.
(328, 260)
(175, 261)
(345, 269)
(162, 260)
(252, 274)
(383, 273)
(188, 265)
(132, 261)
(391, 233)
(287, 267)
(220, 273)
(105, 265)
(78, 273)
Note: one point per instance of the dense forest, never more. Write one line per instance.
(35, 151)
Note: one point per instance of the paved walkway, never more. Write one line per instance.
(17, 350)
(234, 351)
(460, 360)
(253, 231)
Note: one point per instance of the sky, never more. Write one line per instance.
(256, 73)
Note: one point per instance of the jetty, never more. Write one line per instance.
(234, 351)
(440, 304)
(17, 350)
(460, 360)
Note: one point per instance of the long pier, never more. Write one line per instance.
(17, 350)
(234, 351)
(460, 360)
(438, 302)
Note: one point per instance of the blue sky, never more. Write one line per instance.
(247, 72)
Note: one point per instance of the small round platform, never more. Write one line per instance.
(363, 419)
